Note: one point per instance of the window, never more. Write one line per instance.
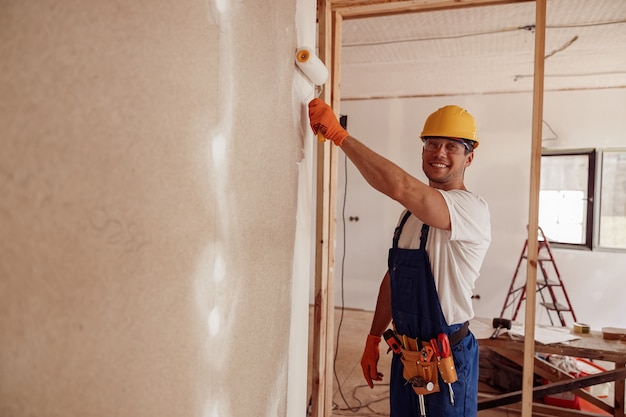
(566, 197)
(567, 207)
(613, 200)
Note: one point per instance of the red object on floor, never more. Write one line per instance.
(564, 399)
(570, 400)
(587, 406)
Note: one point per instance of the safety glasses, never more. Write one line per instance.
(450, 146)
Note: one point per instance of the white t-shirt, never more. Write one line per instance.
(456, 255)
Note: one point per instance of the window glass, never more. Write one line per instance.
(564, 209)
(613, 200)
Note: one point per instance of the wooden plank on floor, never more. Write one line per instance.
(554, 388)
(553, 374)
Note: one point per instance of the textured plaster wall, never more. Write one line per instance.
(148, 179)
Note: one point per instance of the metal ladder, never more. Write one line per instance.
(546, 287)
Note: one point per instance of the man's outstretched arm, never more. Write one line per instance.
(423, 201)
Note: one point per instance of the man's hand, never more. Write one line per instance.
(323, 120)
(369, 360)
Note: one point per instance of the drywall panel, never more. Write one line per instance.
(149, 175)
(304, 250)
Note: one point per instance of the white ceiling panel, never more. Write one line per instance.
(484, 50)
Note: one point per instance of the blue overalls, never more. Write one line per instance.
(417, 313)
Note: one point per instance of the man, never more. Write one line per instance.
(437, 251)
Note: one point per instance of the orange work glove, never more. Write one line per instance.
(323, 120)
(369, 360)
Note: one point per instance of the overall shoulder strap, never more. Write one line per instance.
(424, 236)
(398, 231)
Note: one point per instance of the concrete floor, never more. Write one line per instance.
(351, 394)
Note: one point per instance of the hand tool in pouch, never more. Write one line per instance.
(445, 362)
(393, 341)
(422, 405)
(427, 354)
(420, 370)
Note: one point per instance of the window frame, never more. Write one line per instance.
(598, 220)
(590, 215)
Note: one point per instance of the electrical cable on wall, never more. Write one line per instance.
(528, 28)
(343, 262)
(554, 135)
(360, 406)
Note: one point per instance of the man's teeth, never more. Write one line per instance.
(439, 165)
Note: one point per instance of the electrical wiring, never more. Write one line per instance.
(368, 406)
(529, 28)
(361, 409)
(432, 38)
(554, 135)
(361, 406)
(343, 262)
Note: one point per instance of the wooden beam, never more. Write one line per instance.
(544, 410)
(620, 390)
(533, 216)
(352, 9)
(554, 388)
(553, 374)
(323, 316)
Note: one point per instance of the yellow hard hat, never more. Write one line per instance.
(451, 122)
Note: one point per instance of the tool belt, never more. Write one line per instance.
(420, 369)
(423, 361)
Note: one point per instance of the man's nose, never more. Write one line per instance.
(441, 149)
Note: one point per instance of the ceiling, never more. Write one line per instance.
(482, 49)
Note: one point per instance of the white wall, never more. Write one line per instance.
(500, 173)
(151, 165)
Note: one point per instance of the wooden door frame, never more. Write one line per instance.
(330, 16)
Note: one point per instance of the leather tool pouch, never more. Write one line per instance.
(418, 372)
(447, 370)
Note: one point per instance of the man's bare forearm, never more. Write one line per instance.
(383, 175)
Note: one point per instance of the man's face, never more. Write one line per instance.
(444, 161)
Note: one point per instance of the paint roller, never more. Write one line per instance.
(311, 66)
(314, 70)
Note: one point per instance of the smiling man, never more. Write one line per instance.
(437, 250)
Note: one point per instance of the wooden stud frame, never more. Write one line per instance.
(330, 15)
(533, 219)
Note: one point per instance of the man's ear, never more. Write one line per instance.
(469, 159)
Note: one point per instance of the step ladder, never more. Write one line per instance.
(549, 289)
